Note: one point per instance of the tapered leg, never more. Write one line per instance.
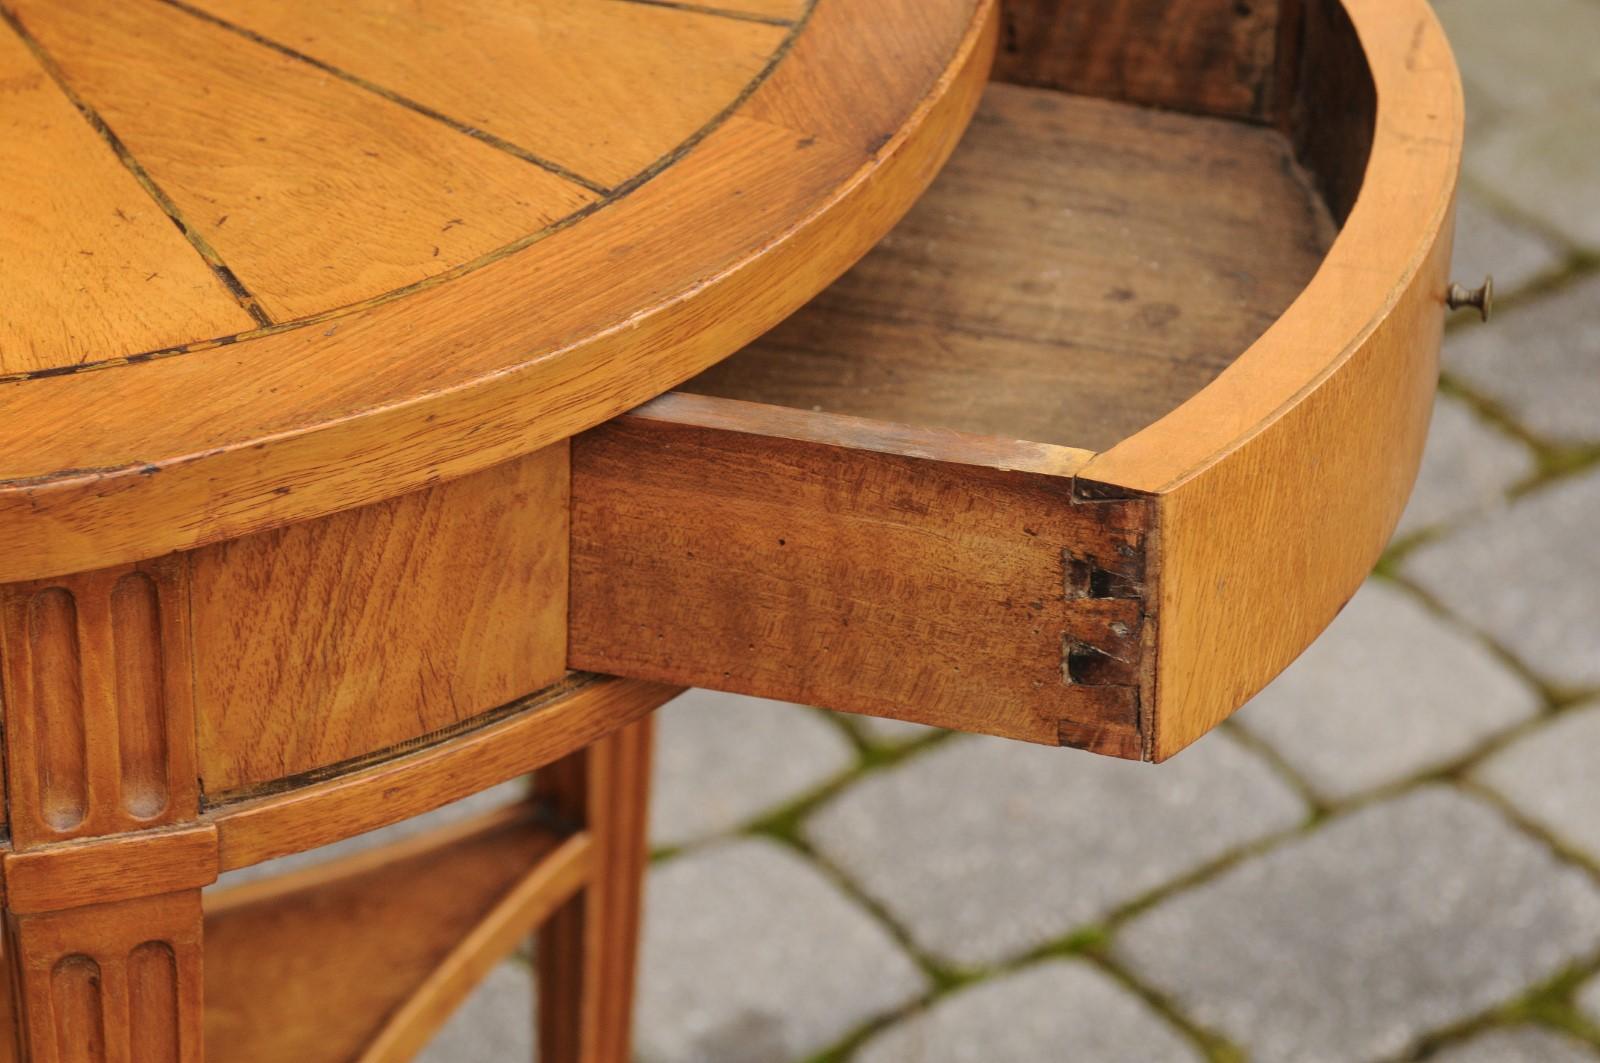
(110, 983)
(588, 950)
(102, 910)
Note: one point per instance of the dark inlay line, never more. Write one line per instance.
(494, 255)
(719, 12)
(224, 274)
(571, 683)
(407, 102)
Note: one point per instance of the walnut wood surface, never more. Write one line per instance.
(1079, 268)
(926, 586)
(599, 89)
(299, 969)
(97, 680)
(1210, 56)
(329, 640)
(114, 451)
(110, 981)
(587, 953)
(1264, 495)
(122, 867)
(528, 734)
(1283, 479)
(249, 171)
(104, 269)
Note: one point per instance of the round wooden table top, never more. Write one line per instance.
(262, 260)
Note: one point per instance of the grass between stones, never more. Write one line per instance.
(1550, 1004)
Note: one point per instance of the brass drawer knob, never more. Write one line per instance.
(1481, 297)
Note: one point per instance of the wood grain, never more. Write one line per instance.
(832, 85)
(552, 882)
(526, 72)
(539, 730)
(1077, 270)
(332, 639)
(87, 260)
(9, 1048)
(276, 959)
(1330, 102)
(1211, 56)
(329, 418)
(106, 871)
(1282, 481)
(933, 589)
(780, 10)
(588, 952)
(1269, 492)
(111, 982)
(253, 170)
(97, 680)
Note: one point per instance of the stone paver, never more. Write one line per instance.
(882, 731)
(1588, 1000)
(1523, 1044)
(984, 848)
(750, 955)
(724, 759)
(1550, 777)
(1352, 942)
(1054, 1010)
(1523, 57)
(1372, 929)
(1545, 164)
(1467, 468)
(1387, 692)
(1538, 361)
(1489, 243)
(1527, 575)
(494, 1025)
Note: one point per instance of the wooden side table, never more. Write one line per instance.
(342, 472)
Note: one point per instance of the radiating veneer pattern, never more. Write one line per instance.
(98, 698)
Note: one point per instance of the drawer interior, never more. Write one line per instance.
(889, 503)
(1080, 267)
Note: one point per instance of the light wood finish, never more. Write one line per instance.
(1098, 263)
(740, 557)
(250, 171)
(8, 1017)
(316, 967)
(1281, 482)
(110, 982)
(527, 735)
(373, 614)
(88, 263)
(925, 586)
(530, 902)
(106, 871)
(775, 10)
(429, 609)
(439, 380)
(1211, 56)
(601, 89)
(587, 954)
(98, 699)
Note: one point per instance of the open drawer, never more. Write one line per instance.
(1105, 432)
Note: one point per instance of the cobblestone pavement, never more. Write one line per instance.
(1393, 854)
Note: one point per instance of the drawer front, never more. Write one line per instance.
(1256, 387)
(828, 560)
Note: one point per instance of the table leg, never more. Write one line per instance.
(109, 983)
(587, 951)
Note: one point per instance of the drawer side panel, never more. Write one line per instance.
(951, 594)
